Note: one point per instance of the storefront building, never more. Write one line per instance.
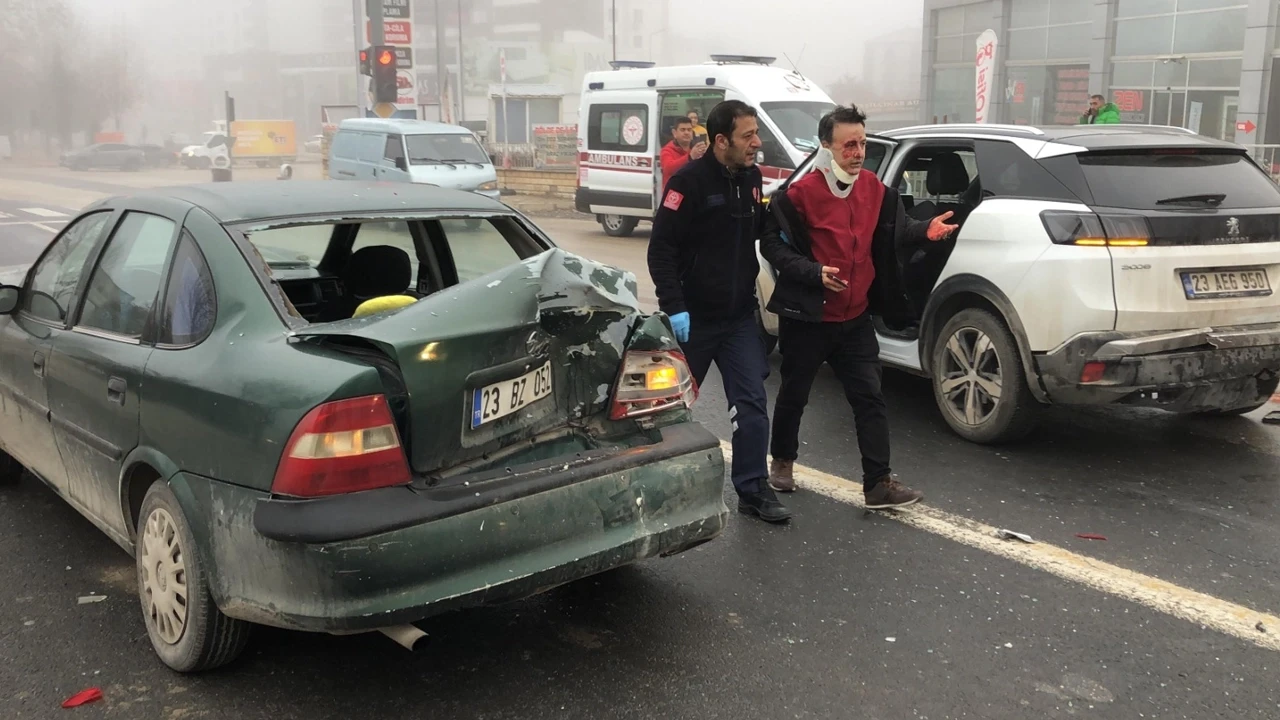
(1206, 65)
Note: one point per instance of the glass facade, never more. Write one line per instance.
(1167, 62)
(955, 43)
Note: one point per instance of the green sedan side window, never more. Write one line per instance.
(123, 287)
(57, 275)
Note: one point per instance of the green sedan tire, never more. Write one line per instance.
(186, 628)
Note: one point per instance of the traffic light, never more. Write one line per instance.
(365, 67)
(383, 61)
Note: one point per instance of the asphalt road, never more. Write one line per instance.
(841, 614)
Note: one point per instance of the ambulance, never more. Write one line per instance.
(627, 115)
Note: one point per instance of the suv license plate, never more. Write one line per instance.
(1239, 282)
(509, 396)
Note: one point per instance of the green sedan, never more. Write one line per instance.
(344, 408)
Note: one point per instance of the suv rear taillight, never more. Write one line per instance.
(343, 447)
(1067, 227)
(651, 382)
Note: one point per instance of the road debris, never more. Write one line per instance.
(84, 697)
(1090, 536)
(1272, 418)
(1260, 627)
(891, 639)
(87, 599)
(1011, 535)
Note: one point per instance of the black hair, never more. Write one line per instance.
(841, 115)
(683, 120)
(724, 116)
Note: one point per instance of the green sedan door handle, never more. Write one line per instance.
(116, 388)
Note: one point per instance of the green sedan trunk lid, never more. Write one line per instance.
(556, 307)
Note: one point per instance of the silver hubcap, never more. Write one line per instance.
(971, 381)
(164, 576)
(613, 222)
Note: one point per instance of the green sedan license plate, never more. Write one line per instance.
(501, 399)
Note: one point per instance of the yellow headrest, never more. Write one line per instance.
(383, 304)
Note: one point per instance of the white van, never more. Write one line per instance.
(627, 115)
(412, 151)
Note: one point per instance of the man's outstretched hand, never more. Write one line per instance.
(939, 229)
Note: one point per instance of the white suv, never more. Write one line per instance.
(1101, 264)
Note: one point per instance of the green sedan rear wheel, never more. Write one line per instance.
(186, 628)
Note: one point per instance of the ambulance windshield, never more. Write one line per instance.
(798, 121)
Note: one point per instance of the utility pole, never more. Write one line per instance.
(441, 70)
(613, 18)
(462, 95)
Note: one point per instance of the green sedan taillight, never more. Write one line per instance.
(341, 447)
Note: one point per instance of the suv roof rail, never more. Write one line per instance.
(628, 64)
(1025, 129)
(749, 59)
(1147, 126)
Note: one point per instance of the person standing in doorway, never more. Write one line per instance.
(703, 263)
(834, 236)
(680, 150)
(699, 132)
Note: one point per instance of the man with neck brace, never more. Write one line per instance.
(834, 237)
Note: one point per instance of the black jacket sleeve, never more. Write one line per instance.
(912, 234)
(782, 228)
(670, 235)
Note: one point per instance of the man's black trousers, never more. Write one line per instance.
(853, 352)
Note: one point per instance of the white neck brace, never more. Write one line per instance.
(825, 163)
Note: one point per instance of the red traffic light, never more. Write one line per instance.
(364, 56)
(386, 57)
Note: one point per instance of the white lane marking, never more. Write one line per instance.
(46, 228)
(32, 222)
(5, 215)
(1165, 597)
(43, 212)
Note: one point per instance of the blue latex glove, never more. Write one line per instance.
(680, 323)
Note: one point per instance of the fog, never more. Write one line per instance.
(148, 69)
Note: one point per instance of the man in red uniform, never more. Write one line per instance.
(680, 150)
(834, 237)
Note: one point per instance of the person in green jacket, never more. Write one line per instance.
(1101, 112)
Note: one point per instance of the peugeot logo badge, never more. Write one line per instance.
(1233, 226)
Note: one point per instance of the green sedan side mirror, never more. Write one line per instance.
(9, 298)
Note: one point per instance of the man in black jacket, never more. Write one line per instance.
(703, 262)
(834, 237)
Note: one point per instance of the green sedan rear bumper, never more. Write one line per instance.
(614, 510)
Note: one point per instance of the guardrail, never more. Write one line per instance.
(526, 156)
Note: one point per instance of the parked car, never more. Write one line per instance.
(1094, 265)
(118, 156)
(158, 156)
(313, 144)
(212, 392)
(412, 151)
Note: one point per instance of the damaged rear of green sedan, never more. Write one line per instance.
(352, 408)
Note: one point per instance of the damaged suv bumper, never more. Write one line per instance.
(1185, 371)
(384, 557)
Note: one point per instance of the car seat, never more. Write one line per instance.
(375, 271)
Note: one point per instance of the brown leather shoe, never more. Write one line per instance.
(889, 493)
(781, 475)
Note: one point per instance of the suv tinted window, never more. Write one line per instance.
(1140, 179)
(1007, 171)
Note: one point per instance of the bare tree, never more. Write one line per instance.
(58, 77)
